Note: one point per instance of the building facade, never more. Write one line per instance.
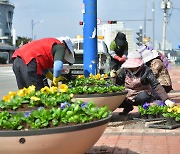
(109, 32)
(6, 17)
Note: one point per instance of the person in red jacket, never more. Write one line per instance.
(35, 59)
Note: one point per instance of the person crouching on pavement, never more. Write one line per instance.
(152, 59)
(139, 81)
(35, 59)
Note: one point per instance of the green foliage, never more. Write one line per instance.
(43, 99)
(74, 113)
(154, 109)
(173, 112)
(92, 86)
(22, 40)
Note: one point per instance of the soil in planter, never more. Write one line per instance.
(165, 124)
(23, 108)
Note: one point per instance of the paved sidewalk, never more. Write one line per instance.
(127, 136)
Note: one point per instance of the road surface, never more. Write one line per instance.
(7, 80)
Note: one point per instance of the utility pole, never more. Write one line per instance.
(153, 21)
(165, 5)
(90, 37)
(32, 27)
(145, 18)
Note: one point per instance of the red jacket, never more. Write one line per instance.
(41, 50)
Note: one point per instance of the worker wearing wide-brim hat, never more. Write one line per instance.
(139, 81)
(36, 58)
(152, 59)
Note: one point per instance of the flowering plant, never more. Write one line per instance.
(29, 97)
(158, 107)
(53, 106)
(73, 113)
(53, 96)
(173, 112)
(48, 107)
(93, 84)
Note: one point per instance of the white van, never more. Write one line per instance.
(77, 67)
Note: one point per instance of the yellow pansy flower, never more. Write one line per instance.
(90, 75)
(46, 89)
(31, 89)
(53, 89)
(34, 98)
(6, 98)
(98, 76)
(71, 95)
(21, 92)
(169, 109)
(105, 76)
(63, 88)
(101, 79)
(80, 76)
(12, 94)
(178, 110)
(175, 108)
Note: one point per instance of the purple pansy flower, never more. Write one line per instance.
(40, 107)
(64, 105)
(159, 103)
(107, 85)
(146, 105)
(27, 114)
(83, 105)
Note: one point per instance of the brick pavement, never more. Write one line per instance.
(126, 136)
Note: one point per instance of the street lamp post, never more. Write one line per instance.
(32, 26)
(165, 5)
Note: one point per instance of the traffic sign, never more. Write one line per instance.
(98, 21)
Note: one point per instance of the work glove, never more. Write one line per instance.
(169, 103)
(121, 59)
(56, 80)
(113, 74)
(49, 75)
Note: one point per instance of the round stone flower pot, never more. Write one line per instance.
(76, 139)
(111, 100)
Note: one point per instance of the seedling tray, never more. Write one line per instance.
(149, 119)
(164, 125)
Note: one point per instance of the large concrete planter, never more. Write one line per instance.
(111, 100)
(61, 140)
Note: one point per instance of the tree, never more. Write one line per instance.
(22, 40)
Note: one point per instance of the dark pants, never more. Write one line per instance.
(26, 75)
(140, 99)
(115, 64)
(167, 88)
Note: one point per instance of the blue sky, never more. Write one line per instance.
(61, 18)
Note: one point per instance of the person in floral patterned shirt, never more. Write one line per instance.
(152, 59)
